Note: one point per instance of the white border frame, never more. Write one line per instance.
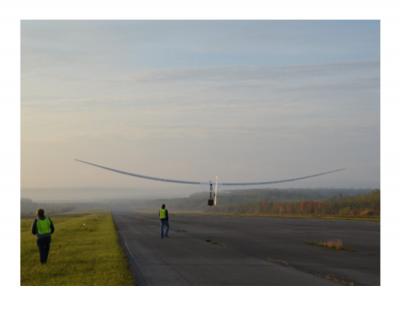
(13, 295)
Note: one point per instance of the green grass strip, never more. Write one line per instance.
(84, 251)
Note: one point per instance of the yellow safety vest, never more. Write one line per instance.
(43, 226)
(163, 213)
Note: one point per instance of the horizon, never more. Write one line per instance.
(97, 194)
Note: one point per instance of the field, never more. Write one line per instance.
(332, 204)
(84, 251)
(365, 206)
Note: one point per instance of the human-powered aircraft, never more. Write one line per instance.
(212, 201)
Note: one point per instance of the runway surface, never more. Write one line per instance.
(227, 250)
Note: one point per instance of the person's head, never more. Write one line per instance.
(40, 213)
(163, 206)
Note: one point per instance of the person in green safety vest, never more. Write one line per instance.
(43, 227)
(164, 221)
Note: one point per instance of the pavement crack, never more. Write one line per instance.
(215, 242)
(278, 261)
(328, 276)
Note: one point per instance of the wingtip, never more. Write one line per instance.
(339, 170)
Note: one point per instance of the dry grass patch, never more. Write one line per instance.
(335, 244)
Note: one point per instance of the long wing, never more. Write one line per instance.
(278, 181)
(192, 182)
(187, 182)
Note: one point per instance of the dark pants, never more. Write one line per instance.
(44, 247)
(164, 226)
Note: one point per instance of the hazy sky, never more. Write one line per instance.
(244, 100)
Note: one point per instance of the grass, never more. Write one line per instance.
(84, 251)
(291, 216)
(375, 219)
(335, 244)
(324, 217)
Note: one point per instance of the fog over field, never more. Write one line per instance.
(344, 202)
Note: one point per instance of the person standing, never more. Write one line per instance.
(43, 227)
(164, 221)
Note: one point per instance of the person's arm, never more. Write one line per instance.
(166, 213)
(51, 226)
(34, 227)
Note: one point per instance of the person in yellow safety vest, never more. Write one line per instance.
(164, 221)
(43, 227)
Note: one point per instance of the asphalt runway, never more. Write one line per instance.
(228, 250)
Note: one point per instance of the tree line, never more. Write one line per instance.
(361, 205)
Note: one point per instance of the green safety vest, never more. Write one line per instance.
(43, 226)
(163, 213)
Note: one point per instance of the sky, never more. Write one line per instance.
(244, 100)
